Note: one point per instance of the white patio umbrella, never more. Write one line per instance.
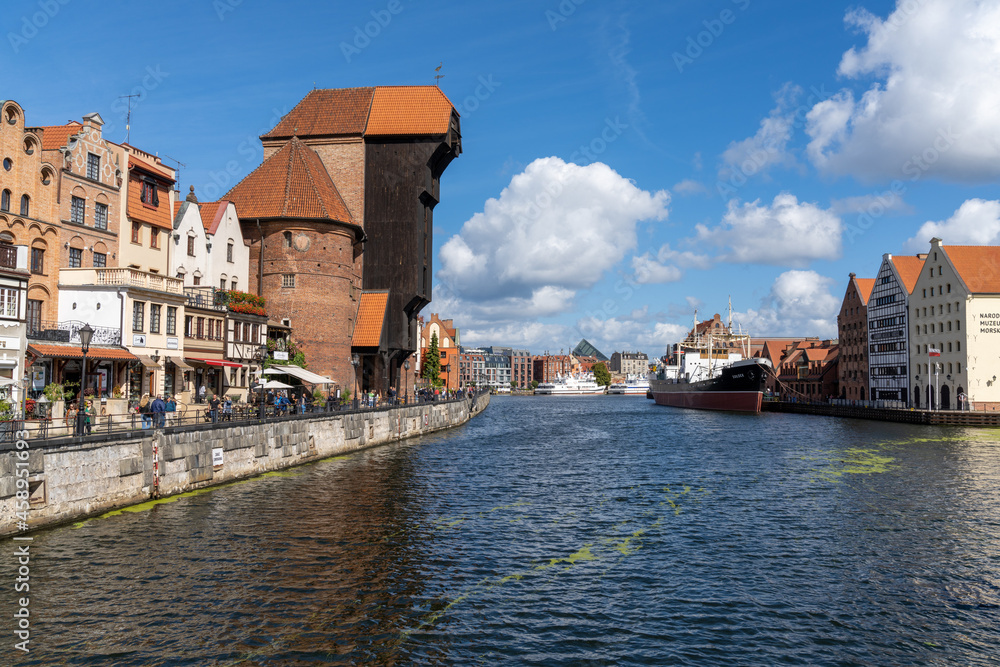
(272, 371)
(274, 384)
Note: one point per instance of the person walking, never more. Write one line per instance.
(202, 392)
(227, 409)
(213, 408)
(88, 411)
(158, 409)
(170, 408)
(144, 411)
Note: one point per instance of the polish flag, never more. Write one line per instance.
(933, 352)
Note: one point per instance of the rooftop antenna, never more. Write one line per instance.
(438, 77)
(178, 170)
(128, 117)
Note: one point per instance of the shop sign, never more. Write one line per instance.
(10, 343)
(139, 340)
(172, 343)
(280, 356)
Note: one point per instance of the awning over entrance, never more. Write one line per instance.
(51, 350)
(146, 361)
(180, 363)
(215, 362)
(304, 375)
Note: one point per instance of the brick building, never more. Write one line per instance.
(547, 366)
(809, 372)
(449, 343)
(852, 327)
(384, 149)
(472, 367)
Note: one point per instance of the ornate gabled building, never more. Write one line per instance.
(852, 327)
(888, 330)
(384, 150)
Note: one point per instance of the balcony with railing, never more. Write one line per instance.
(13, 257)
(209, 298)
(122, 277)
(69, 332)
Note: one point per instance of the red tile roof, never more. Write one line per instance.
(56, 136)
(909, 268)
(337, 112)
(177, 207)
(409, 110)
(211, 213)
(371, 318)
(74, 352)
(978, 266)
(865, 287)
(380, 111)
(136, 163)
(292, 183)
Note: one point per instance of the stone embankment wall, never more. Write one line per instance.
(76, 479)
(930, 417)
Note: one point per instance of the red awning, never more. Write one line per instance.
(215, 362)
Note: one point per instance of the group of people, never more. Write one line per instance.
(154, 410)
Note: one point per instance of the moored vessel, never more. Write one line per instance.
(632, 385)
(568, 385)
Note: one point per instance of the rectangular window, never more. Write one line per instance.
(190, 246)
(200, 331)
(229, 253)
(75, 258)
(232, 285)
(188, 326)
(93, 167)
(288, 280)
(38, 260)
(34, 315)
(154, 318)
(222, 283)
(149, 195)
(196, 280)
(77, 210)
(154, 238)
(100, 215)
(8, 302)
(138, 315)
(171, 320)
(136, 232)
(100, 260)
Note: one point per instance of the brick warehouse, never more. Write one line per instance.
(380, 152)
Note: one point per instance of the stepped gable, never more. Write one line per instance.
(292, 183)
(978, 266)
(908, 268)
(336, 112)
(409, 110)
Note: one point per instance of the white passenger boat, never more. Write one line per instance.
(566, 385)
(632, 385)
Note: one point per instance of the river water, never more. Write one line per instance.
(552, 531)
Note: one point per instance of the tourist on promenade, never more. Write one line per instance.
(227, 409)
(213, 409)
(159, 409)
(301, 404)
(144, 411)
(88, 411)
(170, 407)
(202, 392)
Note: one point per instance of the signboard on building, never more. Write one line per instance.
(172, 343)
(280, 356)
(139, 340)
(217, 457)
(10, 343)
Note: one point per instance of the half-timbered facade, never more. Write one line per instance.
(888, 334)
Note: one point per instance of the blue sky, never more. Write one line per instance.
(625, 162)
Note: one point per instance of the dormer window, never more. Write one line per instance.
(149, 195)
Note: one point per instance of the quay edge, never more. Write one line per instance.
(82, 479)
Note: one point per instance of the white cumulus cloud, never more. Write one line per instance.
(557, 228)
(786, 232)
(666, 266)
(976, 222)
(769, 146)
(932, 109)
(799, 304)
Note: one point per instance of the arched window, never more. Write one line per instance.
(288, 239)
(5, 201)
(25, 205)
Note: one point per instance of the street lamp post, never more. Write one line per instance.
(86, 333)
(406, 365)
(355, 360)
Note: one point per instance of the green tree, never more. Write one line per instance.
(513, 385)
(601, 374)
(432, 363)
(534, 384)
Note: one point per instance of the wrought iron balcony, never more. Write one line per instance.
(209, 298)
(69, 332)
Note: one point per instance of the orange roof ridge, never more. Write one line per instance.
(409, 110)
(56, 136)
(326, 112)
(908, 267)
(865, 287)
(292, 183)
(977, 266)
